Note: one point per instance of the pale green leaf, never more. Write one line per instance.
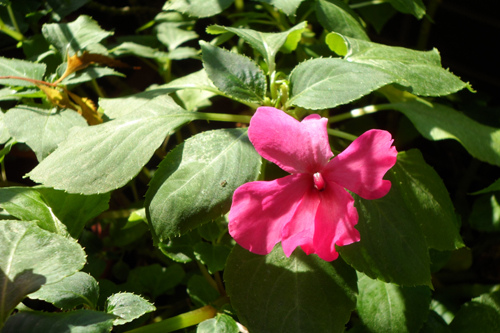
(89, 74)
(42, 129)
(101, 158)
(75, 36)
(21, 68)
(326, 83)
(72, 291)
(273, 293)
(31, 257)
(198, 8)
(289, 7)
(234, 74)
(221, 323)
(419, 72)
(127, 307)
(389, 308)
(172, 35)
(194, 184)
(335, 15)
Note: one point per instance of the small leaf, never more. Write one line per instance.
(20, 68)
(171, 35)
(386, 307)
(289, 7)
(69, 38)
(200, 291)
(204, 171)
(221, 323)
(212, 255)
(127, 307)
(335, 15)
(31, 257)
(72, 291)
(482, 314)
(198, 8)
(101, 158)
(234, 74)
(72, 322)
(326, 83)
(414, 7)
(274, 293)
(41, 129)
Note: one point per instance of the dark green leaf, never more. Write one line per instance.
(386, 307)
(101, 158)
(72, 291)
(302, 293)
(69, 322)
(194, 184)
(200, 291)
(485, 215)
(234, 74)
(289, 7)
(335, 15)
(212, 255)
(493, 187)
(155, 279)
(414, 7)
(127, 307)
(482, 314)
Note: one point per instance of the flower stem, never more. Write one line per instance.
(341, 134)
(178, 322)
(359, 112)
(222, 117)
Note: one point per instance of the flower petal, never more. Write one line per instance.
(296, 147)
(334, 223)
(361, 167)
(261, 209)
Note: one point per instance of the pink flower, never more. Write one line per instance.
(309, 208)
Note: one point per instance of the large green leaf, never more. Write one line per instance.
(22, 68)
(75, 36)
(101, 158)
(335, 15)
(31, 257)
(41, 129)
(326, 83)
(194, 184)
(266, 43)
(389, 308)
(127, 307)
(198, 8)
(234, 74)
(69, 322)
(393, 247)
(289, 7)
(426, 197)
(482, 314)
(72, 291)
(438, 122)
(419, 72)
(302, 293)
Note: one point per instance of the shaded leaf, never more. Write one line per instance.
(414, 7)
(274, 293)
(289, 7)
(200, 291)
(198, 8)
(212, 255)
(481, 314)
(155, 279)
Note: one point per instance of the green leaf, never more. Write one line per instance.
(274, 293)
(267, 44)
(101, 158)
(61, 8)
(414, 7)
(435, 324)
(212, 255)
(200, 291)
(326, 83)
(155, 279)
(127, 307)
(386, 307)
(72, 291)
(31, 257)
(75, 36)
(196, 80)
(438, 122)
(234, 74)
(493, 187)
(392, 247)
(482, 314)
(289, 7)
(221, 323)
(198, 8)
(22, 68)
(171, 35)
(70, 322)
(127, 48)
(427, 198)
(180, 249)
(485, 215)
(41, 129)
(335, 15)
(89, 74)
(417, 71)
(194, 184)
(4, 132)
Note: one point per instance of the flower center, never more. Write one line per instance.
(319, 182)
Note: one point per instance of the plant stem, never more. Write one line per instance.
(178, 322)
(222, 117)
(341, 134)
(359, 112)
(367, 3)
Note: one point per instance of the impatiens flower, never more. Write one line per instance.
(309, 208)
